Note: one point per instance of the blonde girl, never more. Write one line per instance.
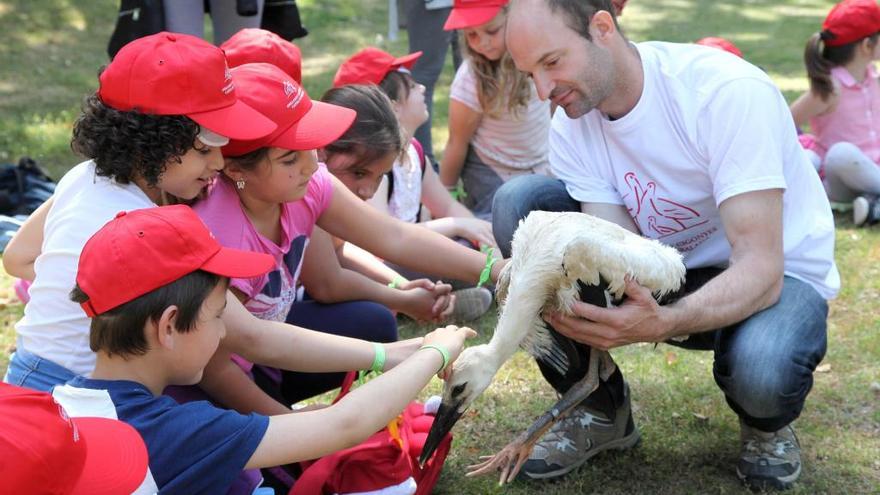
(498, 127)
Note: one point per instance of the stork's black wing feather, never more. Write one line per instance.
(566, 363)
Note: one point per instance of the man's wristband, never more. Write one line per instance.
(443, 352)
(378, 358)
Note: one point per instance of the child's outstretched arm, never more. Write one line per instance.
(293, 348)
(364, 411)
(225, 382)
(363, 262)
(405, 244)
(451, 218)
(328, 282)
(463, 123)
(809, 105)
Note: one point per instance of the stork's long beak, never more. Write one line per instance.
(447, 416)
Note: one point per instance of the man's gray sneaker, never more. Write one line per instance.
(579, 436)
(769, 460)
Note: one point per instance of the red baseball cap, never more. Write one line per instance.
(721, 44)
(370, 66)
(44, 450)
(472, 13)
(851, 20)
(179, 74)
(142, 250)
(254, 45)
(302, 124)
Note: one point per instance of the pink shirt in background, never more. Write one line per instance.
(269, 296)
(856, 119)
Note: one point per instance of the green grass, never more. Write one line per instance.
(51, 53)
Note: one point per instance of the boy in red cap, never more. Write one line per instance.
(842, 106)
(154, 282)
(44, 450)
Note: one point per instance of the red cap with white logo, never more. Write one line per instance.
(303, 124)
(179, 74)
(141, 250)
(43, 450)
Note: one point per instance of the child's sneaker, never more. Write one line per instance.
(866, 211)
(471, 303)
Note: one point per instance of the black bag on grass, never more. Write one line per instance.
(23, 187)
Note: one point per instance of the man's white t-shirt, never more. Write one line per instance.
(708, 126)
(53, 326)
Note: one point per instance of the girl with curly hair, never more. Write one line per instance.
(498, 128)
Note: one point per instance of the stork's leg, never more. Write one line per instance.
(510, 459)
(607, 366)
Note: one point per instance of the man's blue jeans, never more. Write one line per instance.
(763, 364)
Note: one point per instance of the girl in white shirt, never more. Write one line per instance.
(498, 128)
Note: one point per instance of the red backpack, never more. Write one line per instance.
(387, 461)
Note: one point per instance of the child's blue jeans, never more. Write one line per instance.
(26, 369)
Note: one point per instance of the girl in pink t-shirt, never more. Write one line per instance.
(842, 106)
(272, 194)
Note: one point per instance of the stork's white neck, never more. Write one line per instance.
(514, 324)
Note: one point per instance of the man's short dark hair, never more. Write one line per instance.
(577, 12)
(120, 331)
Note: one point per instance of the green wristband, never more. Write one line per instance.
(486, 274)
(378, 358)
(443, 352)
(397, 282)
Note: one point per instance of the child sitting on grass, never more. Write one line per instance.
(411, 182)
(269, 198)
(498, 127)
(324, 280)
(154, 283)
(361, 158)
(842, 106)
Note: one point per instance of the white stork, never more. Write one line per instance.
(557, 259)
